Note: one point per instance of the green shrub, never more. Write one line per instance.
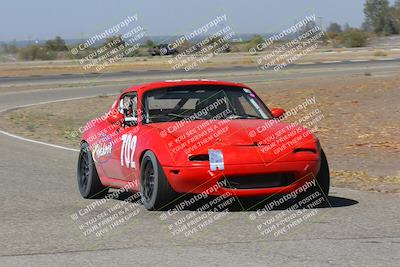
(35, 52)
(57, 44)
(380, 54)
(354, 38)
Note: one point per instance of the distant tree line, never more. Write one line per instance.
(380, 19)
(58, 49)
(346, 35)
(48, 51)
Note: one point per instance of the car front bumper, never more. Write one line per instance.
(200, 179)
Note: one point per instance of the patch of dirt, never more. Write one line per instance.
(57, 123)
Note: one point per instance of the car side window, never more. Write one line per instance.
(128, 106)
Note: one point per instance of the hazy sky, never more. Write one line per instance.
(43, 19)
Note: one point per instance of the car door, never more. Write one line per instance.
(126, 139)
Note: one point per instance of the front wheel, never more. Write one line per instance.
(156, 192)
(323, 177)
(322, 181)
(88, 180)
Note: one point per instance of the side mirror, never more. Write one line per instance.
(132, 120)
(115, 117)
(277, 112)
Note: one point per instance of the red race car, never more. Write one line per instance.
(196, 136)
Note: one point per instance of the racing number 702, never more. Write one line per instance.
(128, 150)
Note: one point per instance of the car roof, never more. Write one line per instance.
(171, 83)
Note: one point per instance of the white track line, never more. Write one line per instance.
(38, 142)
(389, 58)
(329, 52)
(360, 60)
(42, 103)
(331, 61)
(45, 102)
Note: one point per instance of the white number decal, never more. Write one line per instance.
(128, 150)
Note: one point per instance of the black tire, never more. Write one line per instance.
(323, 176)
(156, 192)
(89, 183)
(322, 182)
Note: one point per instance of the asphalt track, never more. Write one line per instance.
(39, 194)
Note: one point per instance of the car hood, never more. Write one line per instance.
(245, 132)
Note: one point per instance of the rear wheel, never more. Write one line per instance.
(88, 180)
(156, 192)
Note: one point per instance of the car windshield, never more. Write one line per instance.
(202, 102)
